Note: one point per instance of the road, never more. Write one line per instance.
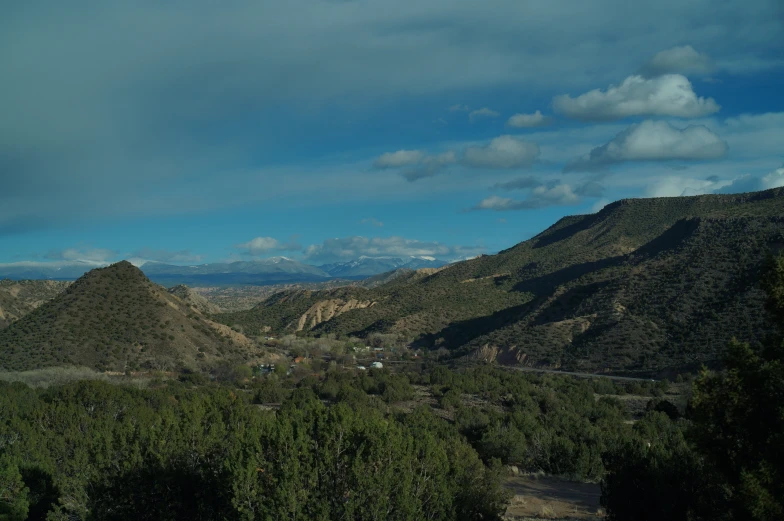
(580, 375)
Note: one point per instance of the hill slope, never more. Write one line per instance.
(194, 300)
(114, 318)
(642, 285)
(18, 298)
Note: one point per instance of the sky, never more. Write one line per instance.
(323, 130)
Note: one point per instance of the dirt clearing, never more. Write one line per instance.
(551, 498)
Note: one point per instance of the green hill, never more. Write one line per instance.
(643, 285)
(114, 318)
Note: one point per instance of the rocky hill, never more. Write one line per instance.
(114, 318)
(641, 286)
(18, 298)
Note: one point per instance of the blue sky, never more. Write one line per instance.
(327, 129)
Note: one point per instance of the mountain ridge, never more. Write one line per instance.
(592, 292)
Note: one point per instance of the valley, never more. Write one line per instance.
(532, 377)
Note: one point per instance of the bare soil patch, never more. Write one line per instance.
(552, 498)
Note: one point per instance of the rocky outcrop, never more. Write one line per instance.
(327, 309)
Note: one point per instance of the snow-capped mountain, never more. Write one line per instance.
(367, 266)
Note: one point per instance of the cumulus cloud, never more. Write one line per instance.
(484, 112)
(667, 95)
(678, 60)
(653, 141)
(372, 221)
(399, 158)
(346, 248)
(264, 245)
(95, 255)
(502, 152)
(529, 120)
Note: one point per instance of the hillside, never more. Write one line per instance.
(643, 285)
(194, 299)
(114, 318)
(18, 298)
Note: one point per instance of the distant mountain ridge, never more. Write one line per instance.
(271, 271)
(366, 266)
(642, 286)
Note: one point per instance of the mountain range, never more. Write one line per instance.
(644, 285)
(275, 270)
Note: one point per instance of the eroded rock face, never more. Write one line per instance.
(327, 309)
(502, 355)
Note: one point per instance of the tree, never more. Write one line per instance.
(14, 502)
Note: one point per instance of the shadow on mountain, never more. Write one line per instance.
(672, 239)
(464, 331)
(568, 231)
(543, 287)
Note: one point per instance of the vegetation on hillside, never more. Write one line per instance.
(725, 463)
(642, 285)
(113, 318)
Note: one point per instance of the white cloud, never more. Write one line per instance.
(678, 60)
(529, 120)
(484, 112)
(673, 186)
(459, 108)
(750, 183)
(399, 158)
(653, 141)
(668, 95)
(265, 245)
(502, 152)
(345, 248)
